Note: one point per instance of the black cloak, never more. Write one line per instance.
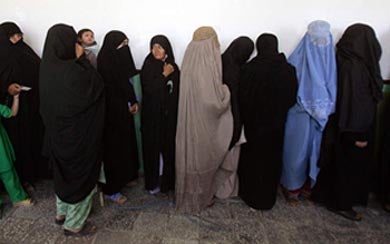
(344, 177)
(20, 64)
(233, 59)
(120, 146)
(159, 117)
(72, 108)
(359, 78)
(267, 90)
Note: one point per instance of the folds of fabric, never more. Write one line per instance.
(26, 129)
(315, 63)
(233, 59)
(159, 117)
(136, 82)
(72, 107)
(302, 142)
(227, 178)
(344, 177)
(116, 66)
(7, 155)
(205, 122)
(267, 90)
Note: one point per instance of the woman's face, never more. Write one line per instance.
(124, 43)
(158, 52)
(15, 38)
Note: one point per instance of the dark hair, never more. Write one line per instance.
(80, 35)
(82, 31)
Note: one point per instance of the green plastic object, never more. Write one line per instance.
(137, 119)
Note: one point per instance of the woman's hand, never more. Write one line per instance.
(133, 109)
(14, 89)
(168, 69)
(79, 50)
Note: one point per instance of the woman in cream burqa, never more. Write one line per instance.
(72, 108)
(205, 122)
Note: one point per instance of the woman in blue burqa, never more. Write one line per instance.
(315, 63)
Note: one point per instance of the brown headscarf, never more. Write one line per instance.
(205, 122)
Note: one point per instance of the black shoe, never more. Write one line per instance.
(348, 214)
(386, 207)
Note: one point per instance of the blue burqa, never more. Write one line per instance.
(315, 63)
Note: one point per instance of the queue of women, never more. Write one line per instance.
(223, 126)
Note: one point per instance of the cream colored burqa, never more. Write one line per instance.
(204, 125)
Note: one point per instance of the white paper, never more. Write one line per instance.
(25, 88)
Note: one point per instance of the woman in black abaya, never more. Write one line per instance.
(160, 87)
(347, 145)
(233, 59)
(267, 90)
(120, 160)
(72, 108)
(20, 67)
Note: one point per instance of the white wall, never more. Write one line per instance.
(177, 19)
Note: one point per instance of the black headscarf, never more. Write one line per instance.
(154, 66)
(117, 65)
(267, 90)
(359, 78)
(233, 59)
(10, 29)
(267, 45)
(18, 62)
(72, 107)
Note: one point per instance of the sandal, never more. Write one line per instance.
(292, 198)
(117, 198)
(25, 203)
(88, 229)
(348, 214)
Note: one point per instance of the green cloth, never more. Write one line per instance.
(75, 214)
(379, 122)
(136, 82)
(7, 155)
(12, 184)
